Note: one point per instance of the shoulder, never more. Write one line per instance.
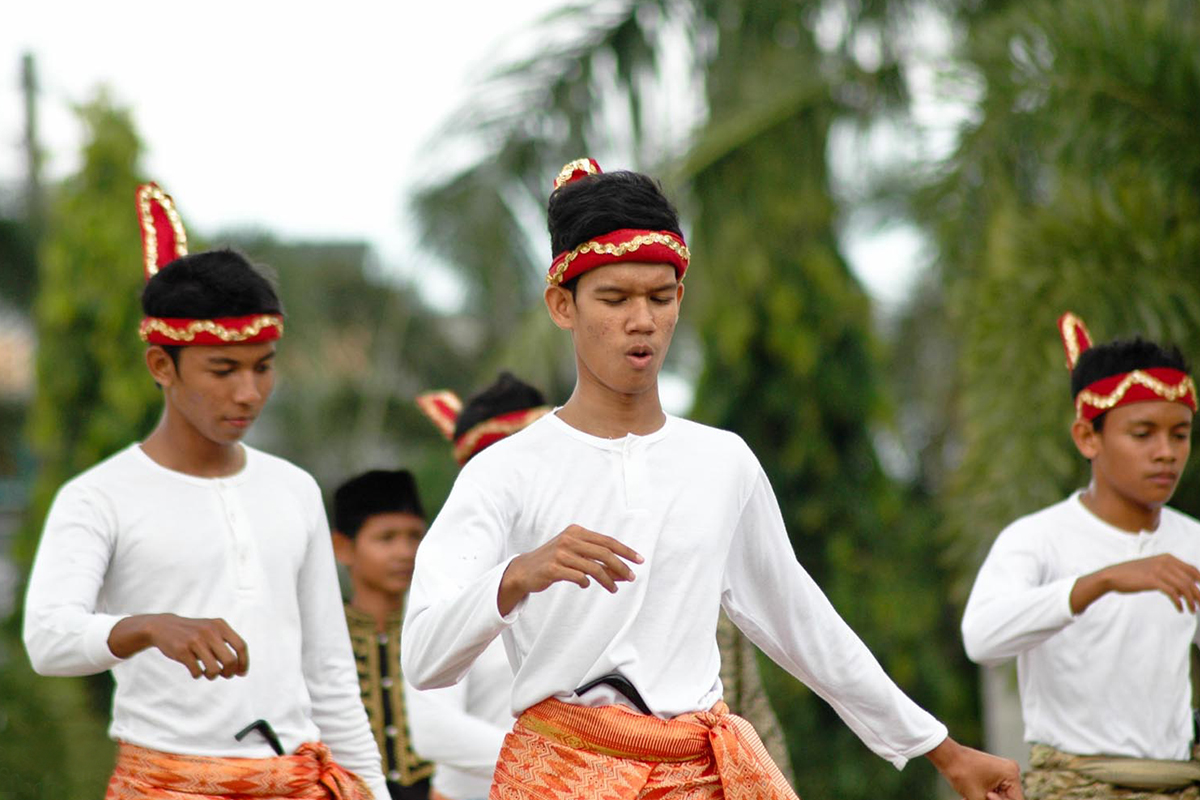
(1179, 521)
(715, 447)
(118, 471)
(280, 471)
(710, 440)
(1067, 514)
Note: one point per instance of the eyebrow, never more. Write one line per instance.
(225, 361)
(609, 289)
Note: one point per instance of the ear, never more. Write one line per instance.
(161, 366)
(1087, 439)
(343, 549)
(679, 294)
(561, 305)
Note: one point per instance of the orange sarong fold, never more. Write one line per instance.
(310, 772)
(560, 751)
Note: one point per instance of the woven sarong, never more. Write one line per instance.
(310, 772)
(559, 751)
(1054, 775)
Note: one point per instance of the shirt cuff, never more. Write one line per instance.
(899, 761)
(95, 641)
(494, 581)
(1063, 588)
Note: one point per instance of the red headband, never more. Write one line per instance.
(627, 244)
(1137, 386)
(443, 407)
(164, 240)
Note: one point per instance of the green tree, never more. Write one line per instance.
(93, 398)
(1074, 189)
(784, 329)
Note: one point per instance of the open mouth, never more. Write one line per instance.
(640, 355)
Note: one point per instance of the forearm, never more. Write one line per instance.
(1087, 590)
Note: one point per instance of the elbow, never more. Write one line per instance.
(978, 650)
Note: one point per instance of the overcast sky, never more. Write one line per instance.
(308, 120)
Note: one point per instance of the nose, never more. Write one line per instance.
(641, 317)
(247, 392)
(1165, 447)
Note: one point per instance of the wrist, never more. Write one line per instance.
(512, 587)
(944, 754)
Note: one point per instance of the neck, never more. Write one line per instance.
(379, 605)
(612, 415)
(180, 447)
(1120, 512)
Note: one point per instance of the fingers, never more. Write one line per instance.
(610, 544)
(241, 650)
(209, 648)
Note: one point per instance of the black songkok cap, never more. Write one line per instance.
(379, 491)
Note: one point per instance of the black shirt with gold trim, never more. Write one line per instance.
(377, 657)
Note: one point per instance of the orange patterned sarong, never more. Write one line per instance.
(559, 751)
(310, 772)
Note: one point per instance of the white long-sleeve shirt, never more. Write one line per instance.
(1112, 680)
(130, 536)
(694, 502)
(461, 727)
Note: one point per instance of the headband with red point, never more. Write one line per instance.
(627, 244)
(1138, 386)
(164, 240)
(443, 408)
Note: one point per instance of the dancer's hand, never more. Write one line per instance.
(209, 648)
(576, 555)
(977, 775)
(1165, 573)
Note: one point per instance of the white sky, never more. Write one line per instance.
(307, 120)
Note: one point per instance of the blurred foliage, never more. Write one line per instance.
(1076, 188)
(357, 350)
(93, 398)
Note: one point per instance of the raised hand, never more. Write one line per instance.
(1178, 580)
(576, 555)
(977, 775)
(209, 648)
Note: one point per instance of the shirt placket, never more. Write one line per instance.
(243, 542)
(633, 472)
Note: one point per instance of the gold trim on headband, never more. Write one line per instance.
(584, 164)
(187, 334)
(1069, 328)
(610, 249)
(1164, 390)
(153, 192)
(504, 427)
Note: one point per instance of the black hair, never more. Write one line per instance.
(378, 491)
(507, 394)
(605, 202)
(215, 283)
(1120, 356)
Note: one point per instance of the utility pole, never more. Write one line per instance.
(35, 214)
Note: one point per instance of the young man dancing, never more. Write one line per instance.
(1096, 596)
(176, 560)
(600, 542)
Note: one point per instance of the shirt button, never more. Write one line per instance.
(386, 683)
(383, 638)
(394, 775)
(391, 731)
